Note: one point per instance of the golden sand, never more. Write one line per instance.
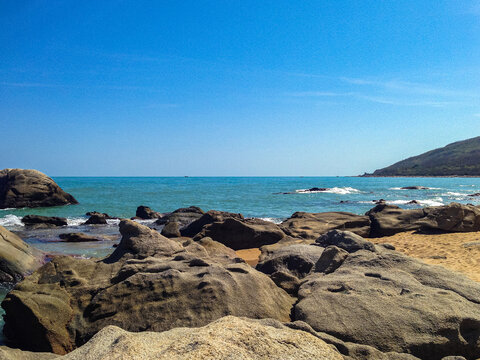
(455, 251)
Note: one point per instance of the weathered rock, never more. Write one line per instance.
(149, 282)
(208, 218)
(345, 240)
(289, 264)
(7, 353)
(387, 220)
(144, 212)
(17, 258)
(242, 234)
(43, 221)
(331, 259)
(414, 188)
(394, 303)
(96, 219)
(77, 237)
(91, 213)
(183, 216)
(30, 188)
(227, 338)
(171, 230)
(452, 218)
(312, 225)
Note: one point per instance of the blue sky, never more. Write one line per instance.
(234, 87)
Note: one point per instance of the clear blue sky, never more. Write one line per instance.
(234, 87)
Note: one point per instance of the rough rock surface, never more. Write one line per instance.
(346, 240)
(17, 258)
(289, 264)
(312, 225)
(144, 212)
(149, 283)
(208, 218)
(43, 221)
(7, 353)
(183, 216)
(30, 188)
(227, 338)
(242, 234)
(394, 303)
(171, 230)
(387, 220)
(77, 237)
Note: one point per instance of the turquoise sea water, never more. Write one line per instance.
(262, 197)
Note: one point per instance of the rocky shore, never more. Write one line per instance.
(197, 284)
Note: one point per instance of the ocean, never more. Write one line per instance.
(269, 198)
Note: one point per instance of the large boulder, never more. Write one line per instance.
(208, 218)
(97, 219)
(346, 240)
(149, 282)
(289, 264)
(227, 338)
(454, 217)
(77, 237)
(394, 303)
(38, 221)
(242, 234)
(183, 216)
(312, 225)
(30, 188)
(17, 258)
(387, 220)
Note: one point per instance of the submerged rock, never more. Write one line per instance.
(17, 258)
(30, 188)
(149, 282)
(312, 225)
(77, 237)
(414, 188)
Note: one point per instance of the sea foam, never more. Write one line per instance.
(334, 190)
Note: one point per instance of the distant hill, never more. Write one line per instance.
(461, 158)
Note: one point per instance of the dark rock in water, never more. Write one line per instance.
(385, 300)
(91, 213)
(149, 282)
(183, 216)
(77, 237)
(379, 202)
(242, 234)
(17, 258)
(30, 188)
(476, 194)
(208, 218)
(96, 219)
(43, 221)
(170, 230)
(413, 202)
(145, 213)
(414, 188)
(312, 225)
(345, 240)
(316, 189)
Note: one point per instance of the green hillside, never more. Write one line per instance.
(460, 158)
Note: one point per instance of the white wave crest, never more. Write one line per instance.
(274, 220)
(113, 221)
(334, 190)
(11, 220)
(76, 221)
(425, 202)
(453, 193)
